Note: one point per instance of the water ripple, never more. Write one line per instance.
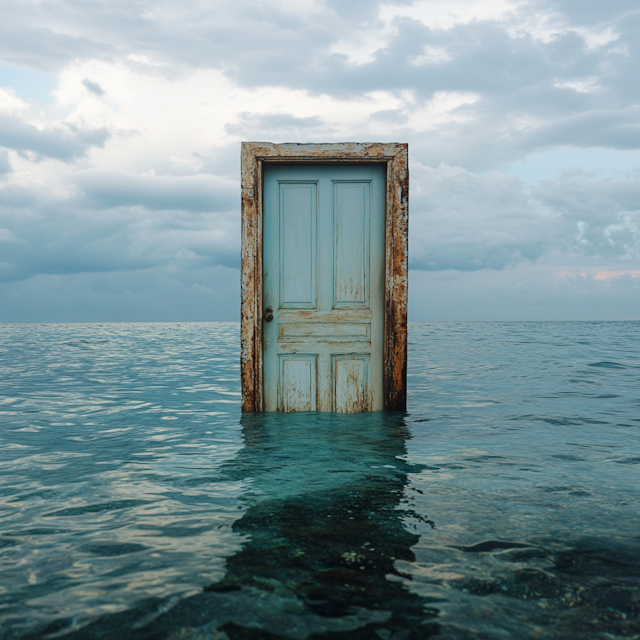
(137, 503)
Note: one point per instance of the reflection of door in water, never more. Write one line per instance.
(322, 534)
(323, 260)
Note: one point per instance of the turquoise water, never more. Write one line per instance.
(137, 502)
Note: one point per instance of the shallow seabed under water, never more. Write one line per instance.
(137, 502)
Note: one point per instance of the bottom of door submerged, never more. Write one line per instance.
(351, 383)
(348, 382)
(297, 382)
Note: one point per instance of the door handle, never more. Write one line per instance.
(268, 314)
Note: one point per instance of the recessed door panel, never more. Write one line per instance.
(324, 330)
(351, 383)
(297, 382)
(323, 284)
(297, 245)
(351, 244)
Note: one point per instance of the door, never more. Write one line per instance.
(323, 279)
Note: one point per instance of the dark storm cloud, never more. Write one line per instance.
(66, 143)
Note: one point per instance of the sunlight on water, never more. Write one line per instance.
(136, 501)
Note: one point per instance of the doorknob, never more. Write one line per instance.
(268, 314)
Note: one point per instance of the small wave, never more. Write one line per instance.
(492, 545)
(628, 461)
(607, 365)
(96, 508)
(7, 543)
(564, 422)
(40, 531)
(111, 549)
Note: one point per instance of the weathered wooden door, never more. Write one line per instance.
(323, 287)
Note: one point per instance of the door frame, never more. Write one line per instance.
(395, 156)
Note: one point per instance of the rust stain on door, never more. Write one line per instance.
(395, 156)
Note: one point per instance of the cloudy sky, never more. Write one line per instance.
(121, 122)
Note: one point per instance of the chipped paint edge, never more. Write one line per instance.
(396, 156)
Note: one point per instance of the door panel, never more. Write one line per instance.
(323, 277)
(298, 245)
(351, 383)
(297, 382)
(351, 244)
(326, 330)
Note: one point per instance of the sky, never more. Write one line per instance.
(121, 123)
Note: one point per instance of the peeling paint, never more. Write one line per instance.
(395, 155)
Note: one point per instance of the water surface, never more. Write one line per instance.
(136, 501)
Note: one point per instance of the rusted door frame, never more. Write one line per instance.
(395, 156)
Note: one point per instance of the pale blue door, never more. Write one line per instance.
(323, 261)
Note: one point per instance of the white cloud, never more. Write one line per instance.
(361, 45)
(442, 108)
(463, 221)
(10, 103)
(468, 222)
(431, 55)
(445, 15)
(584, 85)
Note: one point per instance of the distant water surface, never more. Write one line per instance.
(137, 502)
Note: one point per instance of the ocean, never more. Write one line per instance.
(137, 502)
